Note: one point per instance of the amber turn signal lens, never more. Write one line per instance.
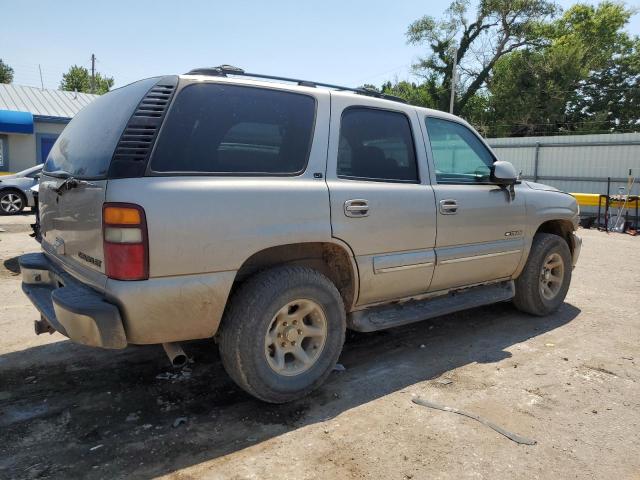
(121, 216)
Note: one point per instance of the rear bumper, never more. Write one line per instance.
(70, 307)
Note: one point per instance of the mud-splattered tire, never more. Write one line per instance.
(543, 284)
(282, 333)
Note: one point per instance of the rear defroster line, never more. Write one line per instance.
(511, 436)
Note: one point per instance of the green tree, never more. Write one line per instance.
(6, 73)
(497, 28)
(414, 93)
(79, 79)
(586, 78)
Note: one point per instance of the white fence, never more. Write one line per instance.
(575, 163)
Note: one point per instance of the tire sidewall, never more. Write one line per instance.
(253, 339)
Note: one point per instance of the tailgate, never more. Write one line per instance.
(71, 227)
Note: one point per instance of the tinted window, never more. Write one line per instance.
(85, 147)
(231, 129)
(458, 154)
(376, 145)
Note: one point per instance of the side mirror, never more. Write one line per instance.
(503, 173)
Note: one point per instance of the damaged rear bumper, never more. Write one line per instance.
(70, 307)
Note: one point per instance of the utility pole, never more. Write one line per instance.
(41, 82)
(93, 73)
(454, 72)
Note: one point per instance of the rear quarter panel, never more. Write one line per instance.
(213, 224)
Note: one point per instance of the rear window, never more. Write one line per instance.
(86, 145)
(376, 145)
(230, 129)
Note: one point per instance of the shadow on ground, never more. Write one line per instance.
(69, 411)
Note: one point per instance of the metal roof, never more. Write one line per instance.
(43, 103)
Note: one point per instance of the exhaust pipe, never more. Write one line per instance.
(176, 355)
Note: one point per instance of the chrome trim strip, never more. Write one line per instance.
(477, 257)
(403, 267)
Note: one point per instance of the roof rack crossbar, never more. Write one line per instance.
(225, 70)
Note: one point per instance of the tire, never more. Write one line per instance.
(549, 264)
(258, 327)
(12, 202)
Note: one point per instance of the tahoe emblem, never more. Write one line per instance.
(90, 259)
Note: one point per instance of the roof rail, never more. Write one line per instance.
(225, 70)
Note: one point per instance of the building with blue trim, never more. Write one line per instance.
(30, 121)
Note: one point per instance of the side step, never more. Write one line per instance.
(397, 314)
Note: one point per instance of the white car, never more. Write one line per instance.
(15, 190)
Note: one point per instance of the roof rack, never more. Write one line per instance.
(225, 70)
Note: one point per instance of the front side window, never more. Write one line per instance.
(230, 129)
(376, 145)
(458, 154)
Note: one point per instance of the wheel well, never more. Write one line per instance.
(330, 259)
(562, 228)
(13, 189)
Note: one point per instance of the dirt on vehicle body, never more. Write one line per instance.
(274, 216)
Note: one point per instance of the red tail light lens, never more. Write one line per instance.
(126, 245)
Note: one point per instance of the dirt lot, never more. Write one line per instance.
(570, 381)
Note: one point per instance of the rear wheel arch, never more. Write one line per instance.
(333, 260)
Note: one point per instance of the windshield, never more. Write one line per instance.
(86, 145)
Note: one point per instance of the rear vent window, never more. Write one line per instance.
(85, 147)
(134, 147)
(236, 130)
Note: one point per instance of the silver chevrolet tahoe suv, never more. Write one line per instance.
(272, 214)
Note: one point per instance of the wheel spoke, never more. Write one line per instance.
(272, 336)
(312, 331)
(278, 357)
(555, 278)
(304, 310)
(301, 355)
(546, 290)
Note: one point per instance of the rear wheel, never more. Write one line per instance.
(544, 282)
(283, 333)
(11, 202)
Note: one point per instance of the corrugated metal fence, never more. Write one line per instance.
(574, 163)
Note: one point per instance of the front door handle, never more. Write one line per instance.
(357, 207)
(448, 206)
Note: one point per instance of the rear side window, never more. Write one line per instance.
(230, 129)
(376, 145)
(85, 147)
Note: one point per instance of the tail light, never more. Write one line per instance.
(126, 245)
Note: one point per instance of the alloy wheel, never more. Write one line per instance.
(295, 337)
(551, 276)
(11, 203)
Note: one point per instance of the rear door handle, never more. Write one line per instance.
(357, 207)
(448, 206)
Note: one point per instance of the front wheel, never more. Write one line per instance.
(283, 333)
(543, 284)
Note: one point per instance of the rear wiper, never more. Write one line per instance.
(70, 183)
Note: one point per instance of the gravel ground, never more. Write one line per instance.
(569, 381)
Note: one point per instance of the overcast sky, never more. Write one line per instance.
(338, 41)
